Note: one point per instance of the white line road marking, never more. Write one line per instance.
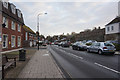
(71, 54)
(77, 56)
(107, 68)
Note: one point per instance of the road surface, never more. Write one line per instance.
(80, 64)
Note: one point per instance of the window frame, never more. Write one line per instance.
(19, 42)
(14, 41)
(5, 4)
(13, 25)
(108, 28)
(5, 20)
(13, 9)
(19, 13)
(26, 36)
(6, 41)
(19, 27)
(112, 28)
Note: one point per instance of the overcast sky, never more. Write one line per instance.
(66, 17)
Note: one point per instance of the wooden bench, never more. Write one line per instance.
(7, 62)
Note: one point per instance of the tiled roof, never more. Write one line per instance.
(116, 20)
(26, 28)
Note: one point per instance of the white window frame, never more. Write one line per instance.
(19, 13)
(19, 42)
(6, 41)
(26, 36)
(5, 4)
(108, 29)
(5, 20)
(112, 28)
(13, 25)
(19, 28)
(14, 41)
(13, 9)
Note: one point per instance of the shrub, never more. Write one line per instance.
(117, 46)
(88, 44)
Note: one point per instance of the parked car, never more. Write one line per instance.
(65, 44)
(78, 46)
(102, 47)
(59, 44)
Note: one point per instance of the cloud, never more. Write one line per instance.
(64, 0)
(64, 17)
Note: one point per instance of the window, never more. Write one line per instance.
(5, 4)
(13, 41)
(108, 29)
(5, 41)
(97, 44)
(5, 21)
(13, 25)
(19, 28)
(26, 36)
(112, 28)
(19, 13)
(13, 8)
(19, 41)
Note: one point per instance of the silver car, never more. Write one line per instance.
(102, 47)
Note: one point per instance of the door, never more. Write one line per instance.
(30, 43)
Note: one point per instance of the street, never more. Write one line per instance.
(80, 64)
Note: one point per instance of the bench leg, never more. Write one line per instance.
(2, 71)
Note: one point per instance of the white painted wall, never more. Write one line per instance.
(116, 28)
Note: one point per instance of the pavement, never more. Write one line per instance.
(41, 65)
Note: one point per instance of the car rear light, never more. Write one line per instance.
(104, 47)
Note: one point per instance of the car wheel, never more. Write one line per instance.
(113, 53)
(100, 52)
(88, 50)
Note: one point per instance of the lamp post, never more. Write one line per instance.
(38, 27)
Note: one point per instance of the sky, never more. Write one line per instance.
(65, 16)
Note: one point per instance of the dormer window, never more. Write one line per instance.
(5, 4)
(13, 8)
(19, 13)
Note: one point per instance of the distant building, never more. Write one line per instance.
(112, 30)
(12, 18)
(29, 37)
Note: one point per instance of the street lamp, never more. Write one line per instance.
(38, 26)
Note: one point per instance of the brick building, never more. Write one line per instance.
(12, 32)
(95, 34)
(29, 37)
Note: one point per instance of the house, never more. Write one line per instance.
(112, 30)
(12, 22)
(29, 37)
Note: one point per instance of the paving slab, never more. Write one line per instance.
(41, 65)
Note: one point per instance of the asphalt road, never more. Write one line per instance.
(80, 64)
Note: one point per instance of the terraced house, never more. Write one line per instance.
(29, 37)
(12, 19)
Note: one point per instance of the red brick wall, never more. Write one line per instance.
(11, 32)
